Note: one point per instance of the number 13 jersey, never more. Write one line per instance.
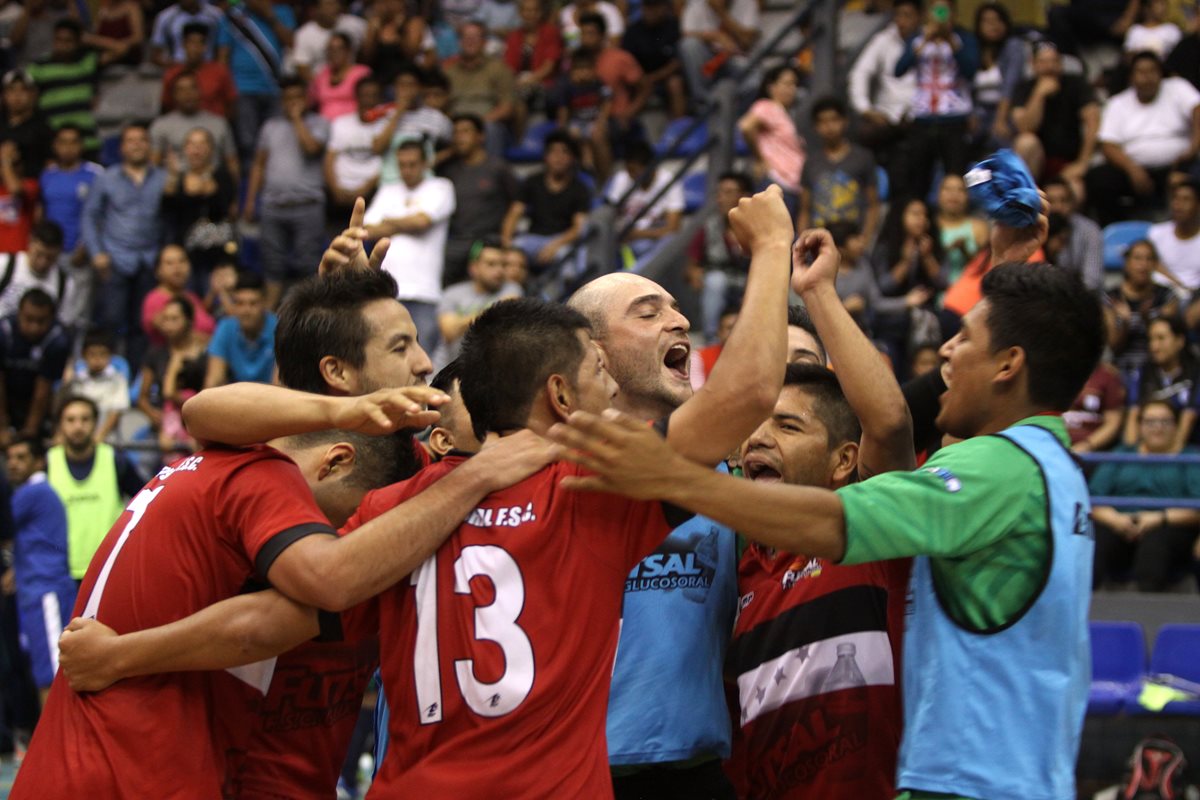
(497, 653)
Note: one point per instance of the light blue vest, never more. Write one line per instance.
(999, 715)
(668, 698)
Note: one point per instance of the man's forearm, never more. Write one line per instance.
(39, 405)
(249, 413)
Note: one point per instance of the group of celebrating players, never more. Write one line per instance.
(233, 617)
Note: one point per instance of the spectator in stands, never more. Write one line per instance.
(172, 27)
(435, 90)
(243, 345)
(462, 302)
(169, 131)
(839, 181)
(533, 52)
(415, 215)
(1131, 307)
(717, 264)
(770, 131)
(287, 176)
(482, 85)
(67, 82)
(925, 359)
(36, 268)
(395, 39)
(251, 40)
(570, 20)
(880, 98)
(34, 347)
(962, 234)
(199, 202)
(1094, 419)
(646, 224)
(313, 37)
(855, 283)
(1153, 32)
(704, 359)
(118, 32)
(173, 272)
(1079, 22)
(411, 120)
(653, 41)
(45, 593)
(556, 202)
(945, 58)
(333, 83)
(90, 477)
(1147, 132)
(456, 13)
(22, 123)
(1084, 249)
(217, 92)
(18, 200)
(101, 381)
(1184, 59)
(183, 357)
(32, 34)
(1171, 374)
(1002, 60)
(909, 264)
(1178, 239)
(219, 297)
(622, 75)
(584, 106)
(484, 188)
(1057, 120)
(351, 163)
(516, 266)
(717, 37)
(122, 231)
(65, 185)
(1155, 544)
(500, 18)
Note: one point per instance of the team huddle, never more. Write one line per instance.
(553, 592)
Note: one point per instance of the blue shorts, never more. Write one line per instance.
(41, 617)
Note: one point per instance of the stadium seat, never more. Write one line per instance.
(740, 148)
(675, 132)
(881, 183)
(1117, 238)
(1177, 653)
(529, 149)
(695, 192)
(1118, 666)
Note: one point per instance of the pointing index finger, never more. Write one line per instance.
(357, 214)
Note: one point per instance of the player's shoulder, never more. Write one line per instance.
(379, 501)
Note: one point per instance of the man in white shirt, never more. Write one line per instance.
(37, 268)
(1178, 239)
(415, 215)
(1147, 132)
(351, 163)
(880, 98)
(308, 52)
(658, 223)
(717, 37)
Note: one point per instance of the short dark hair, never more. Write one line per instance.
(1058, 224)
(842, 230)
(249, 280)
(594, 19)
(185, 307)
(444, 382)
(196, 29)
(1147, 55)
(560, 136)
(1048, 313)
(1147, 403)
(345, 37)
(71, 400)
(37, 447)
(773, 74)
(48, 233)
(68, 126)
(829, 402)
(99, 337)
(412, 144)
(366, 80)
(379, 461)
(509, 353)
(798, 318)
(474, 120)
(828, 103)
(38, 298)
(433, 78)
(293, 82)
(745, 184)
(639, 152)
(322, 316)
(69, 24)
(914, 3)
(1190, 184)
(1059, 180)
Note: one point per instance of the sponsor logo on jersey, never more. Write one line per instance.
(508, 517)
(688, 564)
(796, 573)
(953, 484)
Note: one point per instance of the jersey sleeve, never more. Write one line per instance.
(266, 506)
(967, 497)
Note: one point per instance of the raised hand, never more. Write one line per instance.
(1019, 244)
(348, 250)
(762, 221)
(815, 260)
(389, 410)
(85, 655)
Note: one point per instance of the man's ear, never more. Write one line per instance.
(560, 395)
(844, 460)
(338, 460)
(1010, 364)
(440, 441)
(338, 376)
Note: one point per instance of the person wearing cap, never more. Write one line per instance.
(21, 122)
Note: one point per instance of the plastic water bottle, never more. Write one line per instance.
(845, 673)
(366, 769)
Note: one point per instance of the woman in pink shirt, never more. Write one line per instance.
(771, 133)
(332, 88)
(173, 271)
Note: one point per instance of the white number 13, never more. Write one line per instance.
(494, 623)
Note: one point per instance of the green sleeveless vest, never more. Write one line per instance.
(92, 504)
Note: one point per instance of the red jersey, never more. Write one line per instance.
(498, 651)
(815, 659)
(16, 216)
(1102, 392)
(190, 538)
(217, 90)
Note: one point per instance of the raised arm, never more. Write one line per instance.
(747, 378)
(868, 382)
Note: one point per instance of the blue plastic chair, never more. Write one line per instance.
(1118, 666)
(1177, 652)
(529, 149)
(690, 145)
(881, 184)
(1117, 238)
(695, 192)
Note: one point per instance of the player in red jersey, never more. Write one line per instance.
(159, 563)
